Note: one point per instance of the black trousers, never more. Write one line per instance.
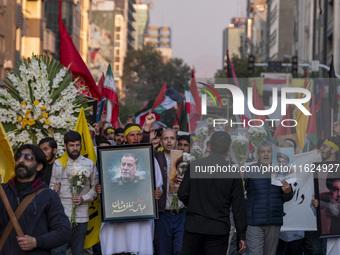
(202, 244)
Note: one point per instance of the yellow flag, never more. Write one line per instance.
(7, 163)
(87, 150)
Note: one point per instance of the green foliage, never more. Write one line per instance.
(145, 73)
(240, 66)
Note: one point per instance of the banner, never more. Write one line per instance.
(299, 215)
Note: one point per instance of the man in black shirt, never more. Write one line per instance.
(208, 201)
(49, 147)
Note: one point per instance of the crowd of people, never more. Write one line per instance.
(200, 225)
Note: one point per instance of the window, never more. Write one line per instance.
(117, 29)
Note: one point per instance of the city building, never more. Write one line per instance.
(75, 17)
(326, 32)
(257, 29)
(233, 38)
(9, 20)
(160, 37)
(123, 39)
(281, 28)
(141, 22)
(101, 44)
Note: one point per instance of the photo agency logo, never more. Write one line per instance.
(241, 103)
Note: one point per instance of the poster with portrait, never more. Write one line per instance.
(327, 191)
(126, 174)
(176, 164)
(283, 165)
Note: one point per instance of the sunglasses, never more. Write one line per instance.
(27, 156)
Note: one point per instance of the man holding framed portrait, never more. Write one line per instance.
(132, 236)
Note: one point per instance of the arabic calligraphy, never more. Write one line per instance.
(133, 206)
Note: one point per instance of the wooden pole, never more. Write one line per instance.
(10, 212)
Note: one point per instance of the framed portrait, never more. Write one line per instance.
(327, 191)
(127, 175)
(176, 165)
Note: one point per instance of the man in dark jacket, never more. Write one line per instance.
(264, 205)
(208, 201)
(43, 222)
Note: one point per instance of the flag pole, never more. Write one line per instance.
(10, 212)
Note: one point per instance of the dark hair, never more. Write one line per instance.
(184, 137)
(106, 129)
(179, 161)
(220, 142)
(264, 144)
(331, 178)
(39, 155)
(119, 130)
(72, 136)
(51, 142)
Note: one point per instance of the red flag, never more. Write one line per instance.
(70, 55)
(195, 104)
(101, 84)
(258, 103)
(110, 93)
(160, 98)
(230, 71)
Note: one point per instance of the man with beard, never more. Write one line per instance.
(60, 182)
(50, 148)
(330, 148)
(43, 221)
(169, 227)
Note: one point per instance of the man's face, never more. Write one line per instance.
(134, 136)
(180, 168)
(49, 152)
(110, 135)
(73, 149)
(168, 140)
(184, 145)
(334, 205)
(119, 138)
(326, 151)
(26, 165)
(282, 161)
(265, 155)
(336, 192)
(128, 168)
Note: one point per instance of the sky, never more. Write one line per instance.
(197, 27)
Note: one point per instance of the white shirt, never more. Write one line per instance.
(88, 193)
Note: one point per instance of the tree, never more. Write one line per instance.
(240, 66)
(145, 73)
(175, 72)
(141, 72)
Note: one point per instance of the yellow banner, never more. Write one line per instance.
(7, 163)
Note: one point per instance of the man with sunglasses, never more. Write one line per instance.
(43, 221)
